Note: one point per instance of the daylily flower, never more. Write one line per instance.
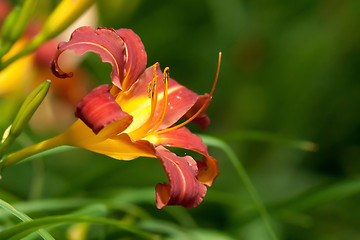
(16, 74)
(136, 115)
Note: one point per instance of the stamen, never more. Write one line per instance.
(153, 95)
(202, 107)
(162, 112)
(150, 89)
(151, 85)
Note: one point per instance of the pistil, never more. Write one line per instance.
(200, 109)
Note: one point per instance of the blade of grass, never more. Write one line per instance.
(7, 196)
(165, 227)
(25, 218)
(183, 217)
(269, 137)
(320, 195)
(22, 229)
(37, 181)
(215, 142)
(317, 196)
(49, 205)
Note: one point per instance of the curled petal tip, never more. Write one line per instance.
(58, 72)
(121, 48)
(208, 169)
(103, 41)
(183, 188)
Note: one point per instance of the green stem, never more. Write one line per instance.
(269, 138)
(212, 141)
(33, 45)
(22, 229)
(6, 144)
(32, 150)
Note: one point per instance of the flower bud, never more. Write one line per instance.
(22, 118)
(28, 108)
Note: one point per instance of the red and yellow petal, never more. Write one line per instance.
(122, 147)
(135, 59)
(183, 188)
(99, 109)
(183, 138)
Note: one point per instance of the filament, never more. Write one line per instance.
(152, 94)
(161, 115)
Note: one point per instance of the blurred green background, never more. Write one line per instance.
(290, 73)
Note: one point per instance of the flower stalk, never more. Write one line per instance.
(16, 157)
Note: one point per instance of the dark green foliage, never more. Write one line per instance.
(286, 104)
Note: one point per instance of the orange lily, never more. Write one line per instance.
(136, 115)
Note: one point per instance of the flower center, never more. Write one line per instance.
(152, 124)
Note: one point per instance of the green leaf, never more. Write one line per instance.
(25, 218)
(215, 142)
(315, 197)
(270, 138)
(165, 228)
(321, 195)
(15, 24)
(22, 229)
(49, 205)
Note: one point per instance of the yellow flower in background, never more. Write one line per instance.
(17, 74)
(64, 15)
(32, 69)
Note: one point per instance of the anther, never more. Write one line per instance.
(152, 83)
